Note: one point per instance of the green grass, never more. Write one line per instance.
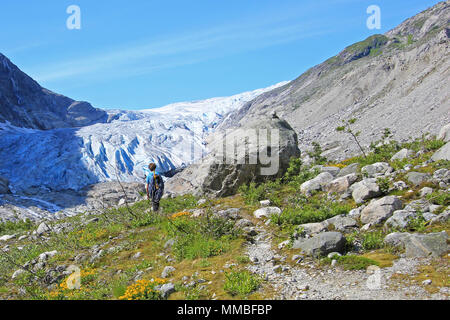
(352, 262)
(373, 240)
(310, 209)
(8, 227)
(241, 283)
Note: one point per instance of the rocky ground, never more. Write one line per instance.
(372, 227)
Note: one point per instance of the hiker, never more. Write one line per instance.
(154, 186)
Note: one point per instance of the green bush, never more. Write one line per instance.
(373, 240)
(310, 209)
(197, 246)
(16, 226)
(384, 184)
(241, 283)
(251, 193)
(316, 154)
(440, 198)
(178, 204)
(352, 262)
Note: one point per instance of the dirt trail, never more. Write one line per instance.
(308, 281)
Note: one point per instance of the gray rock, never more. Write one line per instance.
(355, 213)
(167, 289)
(334, 171)
(264, 203)
(7, 237)
(321, 244)
(137, 255)
(43, 228)
(313, 228)
(18, 273)
(365, 190)
(428, 216)
(350, 169)
(217, 177)
(416, 178)
(380, 210)
(242, 223)
(317, 183)
(169, 243)
(444, 133)
(231, 213)
(167, 271)
(267, 212)
(421, 205)
(402, 154)
(401, 219)
(400, 185)
(377, 169)
(201, 201)
(396, 239)
(43, 257)
(333, 254)
(342, 223)
(420, 245)
(442, 217)
(442, 175)
(426, 191)
(340, 185)
(424, 245)
(443, 153)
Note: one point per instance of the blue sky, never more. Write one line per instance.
(140, 54)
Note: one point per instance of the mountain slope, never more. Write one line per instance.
(398, 80)
(24, 103)
(66, 157)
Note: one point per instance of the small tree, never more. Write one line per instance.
(316, 153)
(346, 128)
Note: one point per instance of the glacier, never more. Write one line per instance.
(172, 136)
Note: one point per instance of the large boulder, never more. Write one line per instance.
(316, 184)
(238, 157)
(341, 185)
(334, 171)
(441, 175)
(267, 212)
(401, 219)
(321, 244)
(402, 154)
(377, 169)
(365, 190)
(416, 178)
(380, 210)
(443, 153)
(420, 245)
(340, 223)
(4, 185)
(351, 168)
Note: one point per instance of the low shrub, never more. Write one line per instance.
(241, 283)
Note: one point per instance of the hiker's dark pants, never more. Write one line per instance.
(156, 196)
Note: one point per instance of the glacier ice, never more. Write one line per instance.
(71, 158)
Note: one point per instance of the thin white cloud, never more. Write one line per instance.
(177, 50)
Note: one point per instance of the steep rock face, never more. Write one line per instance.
(220, 175)
(24, 103)
(398, 80)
